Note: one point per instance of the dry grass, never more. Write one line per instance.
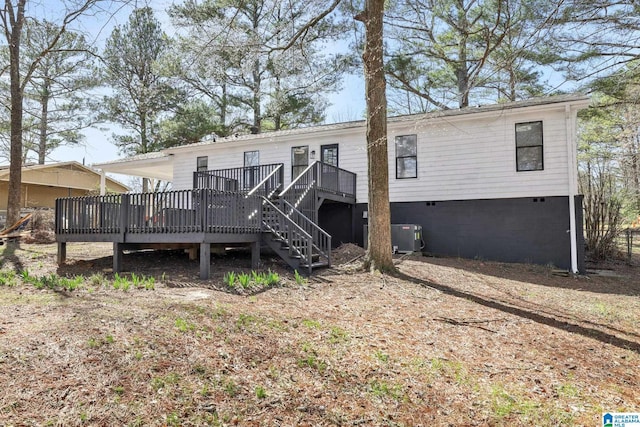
(447, 342)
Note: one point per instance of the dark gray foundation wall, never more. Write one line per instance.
(531, 230)
(337, 220)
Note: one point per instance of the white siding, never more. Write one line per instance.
(470, 156)
(476, 159)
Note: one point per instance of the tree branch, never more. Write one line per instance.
(302, 32)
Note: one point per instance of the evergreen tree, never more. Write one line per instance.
(446, 53)
(57, 99)
(13, 16)
(142, 93)
(264, 57)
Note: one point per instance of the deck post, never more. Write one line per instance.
(117, 257)
(103, 182)
(255, 254)
(205, 260)
(124, 215)
(62, 252)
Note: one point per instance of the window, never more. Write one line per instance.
(251, 158)
(406, 156)
(202, 163)
(251, 169)
(329, 154)
(299, 160)
(529, 146)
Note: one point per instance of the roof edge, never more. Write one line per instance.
(580, 99)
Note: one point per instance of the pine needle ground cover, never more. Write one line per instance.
(446, 342)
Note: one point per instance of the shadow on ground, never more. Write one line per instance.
(9, 256)
(623, 280)
(589, 330)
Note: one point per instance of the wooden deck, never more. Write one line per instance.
(198, 217)
(241, 206)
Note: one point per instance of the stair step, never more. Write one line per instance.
(316, 264)
(315, 258)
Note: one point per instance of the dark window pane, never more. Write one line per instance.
(329, 155)
(406, 146)
(202, 163)
(300, 155)
(529, 146)
(530, 158)
(528, 134)
(406, 156)
(299, 160)
(297, 170)
(406, 167)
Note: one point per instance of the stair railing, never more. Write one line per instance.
(270, 184)
(321, 239)
(268, 187)
(301, 193)
(285, 229)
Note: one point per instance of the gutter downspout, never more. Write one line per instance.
(572, 168)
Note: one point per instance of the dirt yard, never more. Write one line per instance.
(447, 342)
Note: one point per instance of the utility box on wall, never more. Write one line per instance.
(405, 238)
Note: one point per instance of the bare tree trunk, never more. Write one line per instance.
(257, 81)
(462, 71)
(44, 99)
(12, 19)
(15, 159)
(144, 142)
(277, 119)
(223, 108)
(15, 162)
(379, 244)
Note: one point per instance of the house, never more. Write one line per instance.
(43, 184)
(495, 182)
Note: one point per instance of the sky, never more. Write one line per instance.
(346, 105)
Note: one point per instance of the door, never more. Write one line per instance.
(329, 173)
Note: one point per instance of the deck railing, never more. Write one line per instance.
(302, 192)
(89, 214)
(332, 179)
(185, 211)
(161, 212)
(230, 213)
(235, 179)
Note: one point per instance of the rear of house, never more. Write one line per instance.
(496, 182)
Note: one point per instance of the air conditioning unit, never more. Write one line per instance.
(405, 238)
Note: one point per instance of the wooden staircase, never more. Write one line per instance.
(285, 234)
(291, 234)
(289, 216)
